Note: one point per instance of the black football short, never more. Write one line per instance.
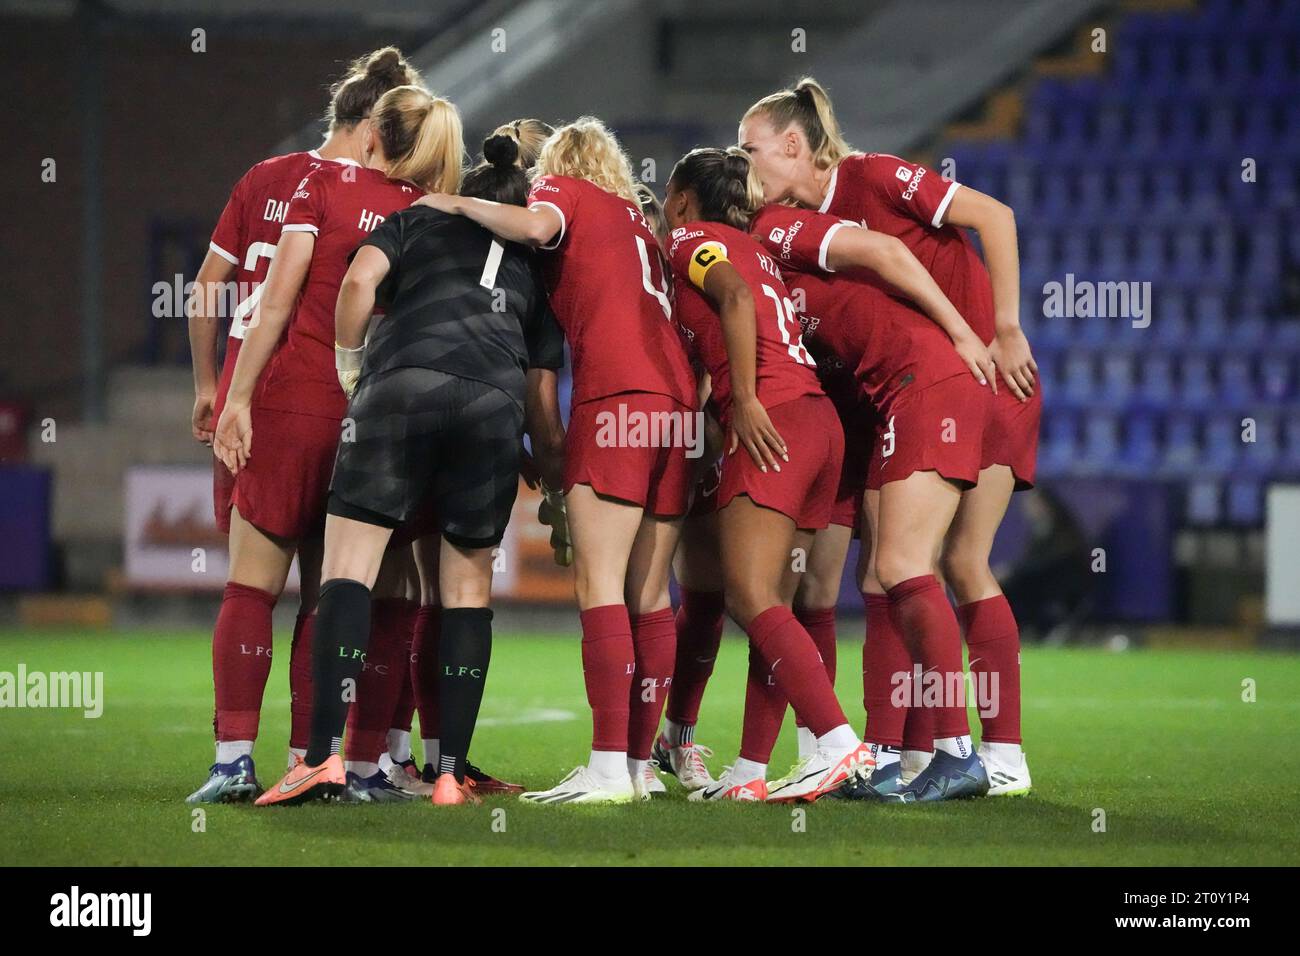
(423, 441)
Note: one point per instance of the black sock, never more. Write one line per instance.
(338, 654)
(464, 649)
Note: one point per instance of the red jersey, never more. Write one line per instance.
(608, 286)
(907, 200)
(249, 228)
(340, 205)
(784, 368)
(887, 342)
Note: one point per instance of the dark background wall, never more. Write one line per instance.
(179, 128)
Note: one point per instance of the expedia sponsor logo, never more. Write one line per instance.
(789, 238)
(903, 173)
(684, 235)
(777, 234)
(910, 191)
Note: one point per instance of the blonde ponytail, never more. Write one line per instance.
(422, 138)
(808, 105)
(585, 149)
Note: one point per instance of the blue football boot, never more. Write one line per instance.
(229, 783)
(879, 787)
(946, 778)
(374, 789)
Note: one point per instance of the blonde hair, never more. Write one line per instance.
(585, 149)
(529, 135)
(421, 137)
(653, 210)
(808, 105)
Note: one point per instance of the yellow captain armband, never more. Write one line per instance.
(705, 257)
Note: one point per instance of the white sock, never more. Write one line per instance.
(636, 768)
(385, 762)
(399, 745)
(673, 733)
(362, 768)
(228, 751)
(610, 764)
(744, 770)
(955, 746)
(807, 741)
(296, 752)
(885, 756)
(1009, 753)
(431, 751)
(842, 737)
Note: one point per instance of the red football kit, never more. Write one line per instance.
(932, 415)
(246, 236)
(785, 374)
(910, 201)
(609, 290)
(299, 404)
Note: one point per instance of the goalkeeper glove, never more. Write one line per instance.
(553, 513)
(348, 364)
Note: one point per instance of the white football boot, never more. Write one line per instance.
(686, 763)
(730, 787)
(583, 786)
(1007, 769)
(822, 772)
(400, 778)
(648, 785)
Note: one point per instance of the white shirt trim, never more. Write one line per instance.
(554, 243)
(937, 221)
(826, 247)
(314, 154)
(300, 227)
(233, 260)
(830, 190)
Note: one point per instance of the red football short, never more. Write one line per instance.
(1011, 437)
(941, 428)
(284, 488)
(805, 487)
(633, 446)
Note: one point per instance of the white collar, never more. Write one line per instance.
(830, 190)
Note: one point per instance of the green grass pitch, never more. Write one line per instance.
(1186, 772)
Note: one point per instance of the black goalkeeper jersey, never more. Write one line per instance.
(459, 300)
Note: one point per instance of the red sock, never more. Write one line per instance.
(792, 659)
(300, 687)
(654, 644)
(424, 669)
(764, 710)
(884, 657)
(699, 633)
(241, 659)
(404, 713)
(379, 684)
(608, 661)
(820, 625)
(921, 612)
(994, 641)
(918, 731)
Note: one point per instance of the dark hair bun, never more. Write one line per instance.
(736, 165)
(501, 150)
(387, 64)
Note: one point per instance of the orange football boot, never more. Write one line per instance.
(303, 783)
(447, 792)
